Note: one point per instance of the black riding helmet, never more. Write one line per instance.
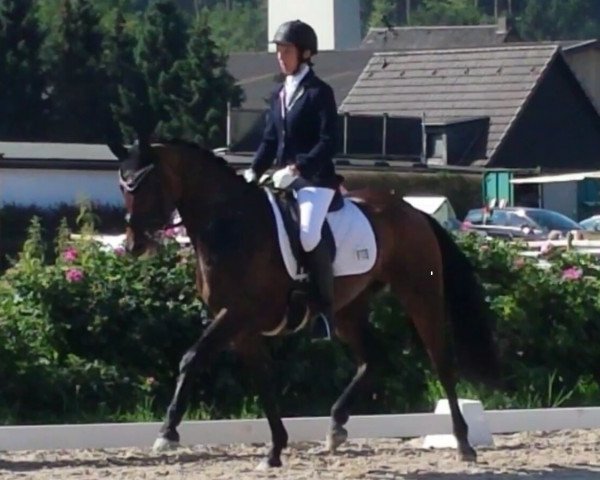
(297, 33)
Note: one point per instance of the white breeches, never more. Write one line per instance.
(314, 203)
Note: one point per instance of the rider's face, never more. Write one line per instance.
(288, 57)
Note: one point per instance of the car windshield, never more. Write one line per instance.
(552, 220)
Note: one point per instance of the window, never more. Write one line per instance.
(436, 146)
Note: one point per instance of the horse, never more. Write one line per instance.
(233, 230)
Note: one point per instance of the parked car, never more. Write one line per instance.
(519, 222)
(591, 223)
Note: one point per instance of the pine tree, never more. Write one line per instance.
(132, 115)
(163, 42)
(21, 95)
(79, 107)
(201, 88)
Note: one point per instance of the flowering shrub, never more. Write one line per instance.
(548, 320)
(94, 334)
(101, 319)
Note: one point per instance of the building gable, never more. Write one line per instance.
(558, 127)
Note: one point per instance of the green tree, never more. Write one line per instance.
(21, 95)
(143, 77)
(200, 89)
(383, 13)
(559, 19)
(447, 12)
(163, 42)
(79, 109)
(241, 29)
(128, 91)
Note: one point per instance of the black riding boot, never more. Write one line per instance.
(320, 269)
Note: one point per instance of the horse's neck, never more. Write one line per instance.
(202, 205)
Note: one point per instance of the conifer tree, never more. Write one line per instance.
(79, 102)
(22, 105)
(201, 87)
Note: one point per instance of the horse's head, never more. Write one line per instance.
(149, 200)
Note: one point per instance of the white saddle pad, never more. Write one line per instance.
(356, 249)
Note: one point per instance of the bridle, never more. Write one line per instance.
(133, 182)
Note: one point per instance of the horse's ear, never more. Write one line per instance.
(118, 150)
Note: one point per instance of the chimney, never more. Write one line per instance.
(337, 22)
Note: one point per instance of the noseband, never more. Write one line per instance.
(132, 183)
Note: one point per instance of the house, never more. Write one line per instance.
(46, 174)
(520, 106)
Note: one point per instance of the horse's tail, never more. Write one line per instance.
(471, 319)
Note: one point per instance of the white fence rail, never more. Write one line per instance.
(50, 437)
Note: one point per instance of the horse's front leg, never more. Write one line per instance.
(216, 336)
(258, 362)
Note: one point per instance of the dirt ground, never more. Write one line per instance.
(571, 455)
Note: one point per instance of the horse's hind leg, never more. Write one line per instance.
(353, 328)
(213, 340)
(426, 307)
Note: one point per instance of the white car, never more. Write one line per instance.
(591, 223)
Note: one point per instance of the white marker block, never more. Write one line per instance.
(479, 430)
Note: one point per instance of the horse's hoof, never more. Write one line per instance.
(335, 438)
(468, 455)
(163, 444)
(266, 464)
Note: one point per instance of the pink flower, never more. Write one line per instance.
(119, 251)
(572, 273)
(519, 262)
(150, 381)
(70, 254)
(547, 248)
(170, 232)
(74, 275)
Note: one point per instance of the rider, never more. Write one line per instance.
(300, 135)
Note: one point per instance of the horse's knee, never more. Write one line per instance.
(188, 361)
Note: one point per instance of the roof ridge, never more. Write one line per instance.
(506, 47)
(434, 27)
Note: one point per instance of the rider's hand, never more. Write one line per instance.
(249, 175)
(294, 169)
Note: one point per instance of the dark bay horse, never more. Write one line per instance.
(241, 275)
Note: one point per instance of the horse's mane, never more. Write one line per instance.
(219, 161)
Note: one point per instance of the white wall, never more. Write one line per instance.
(337, 22)
(47, 187)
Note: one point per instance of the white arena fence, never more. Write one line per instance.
(211, 432)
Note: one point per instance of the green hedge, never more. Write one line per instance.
(96, 335)
(462, 189)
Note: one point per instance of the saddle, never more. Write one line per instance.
(288, 206)
(299, 294)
